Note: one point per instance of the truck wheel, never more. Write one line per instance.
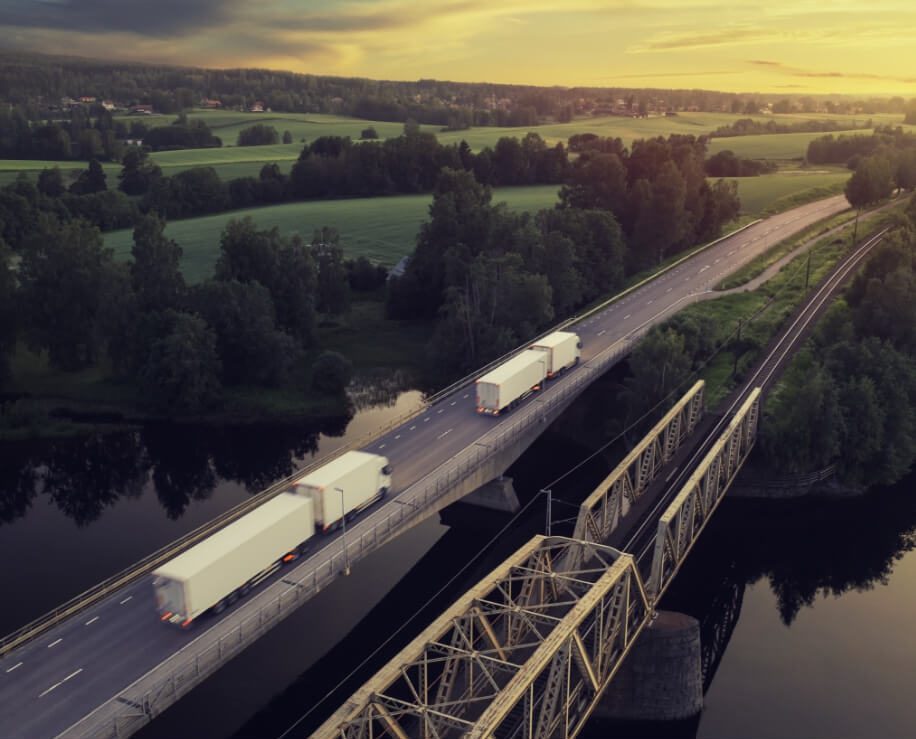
(382, 492)
(220, 607)
(233, 597)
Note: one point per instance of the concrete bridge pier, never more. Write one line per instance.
(662, 677)
(496, 495)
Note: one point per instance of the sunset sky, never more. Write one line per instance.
(791, 46)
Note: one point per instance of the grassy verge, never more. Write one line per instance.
(756, 267)
(762, 312)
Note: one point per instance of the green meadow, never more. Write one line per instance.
(385, 229)
(232, 161)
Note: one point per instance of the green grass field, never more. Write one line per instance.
(382, 229)
(385, 229)
(232, 161)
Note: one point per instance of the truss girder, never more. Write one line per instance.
(455, 671)
(601, 512)
(681, 524)
(560, 684)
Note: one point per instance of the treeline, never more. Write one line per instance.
(849, 398)
(726, 164)
(252, 324)
(81, 137)
(751, 127)
(844, 149)
(493, 278)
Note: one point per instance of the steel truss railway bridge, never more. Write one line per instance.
(114, 667)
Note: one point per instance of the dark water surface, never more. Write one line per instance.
(807, 607)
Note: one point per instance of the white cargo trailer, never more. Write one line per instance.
(511, 382)
(562, 349)
(345, 486)
(225, 565)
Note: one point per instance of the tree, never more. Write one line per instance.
(662, 225)
(331, 373)
(658, 366)
(156, 267)
(368, 133)
(333, 289)
(597, 181)
(90, 180)
(259, 134)
(252, 349)
(181, 374)
(287, 137)
(564, 278)
(64, 275)
(137, 172)
(51, 183)
(872, 181)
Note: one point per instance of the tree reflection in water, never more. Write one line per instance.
(183, 463)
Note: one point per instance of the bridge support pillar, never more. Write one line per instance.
(496, 495)
(662, 677)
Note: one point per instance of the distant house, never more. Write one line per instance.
(211, 104)
(108, 105)
(87, 99)
(399, 269)
(141, 109)
(257, 107)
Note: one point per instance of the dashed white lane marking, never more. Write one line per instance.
(667, 291)
(627, 316)
(130, 596)
(718, 260)
(440, 410)
(411, 428)
(57, 685)
(14, 667)
(444, 434)
(730, 253)
(601, 332)
(397, 437)
(92, 620)
(455, 401)
(650, 302)
(55, 642)
(426, 420)
(704, 269)
(466, 395)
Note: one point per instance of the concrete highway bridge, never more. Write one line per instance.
(103, 665)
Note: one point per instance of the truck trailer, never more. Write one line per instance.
(224, 566)
(510, 383)
(562, 350)
(345, 486)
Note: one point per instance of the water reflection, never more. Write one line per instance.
(84, 476)
(379, 388)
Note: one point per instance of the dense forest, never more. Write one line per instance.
(493, 278)
(849, 398)
(38, 82)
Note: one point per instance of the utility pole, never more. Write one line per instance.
(343, 537)
(808, 269)
(548, 515)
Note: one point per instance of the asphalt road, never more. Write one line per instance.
(52, 682)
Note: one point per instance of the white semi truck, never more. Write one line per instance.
(345, 486)
(224, 566)
(562, 349)
(510, 383)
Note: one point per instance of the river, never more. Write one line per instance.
(807, 606)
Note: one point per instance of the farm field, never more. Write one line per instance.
(232, 161)
(385, 229)
(381, 229)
